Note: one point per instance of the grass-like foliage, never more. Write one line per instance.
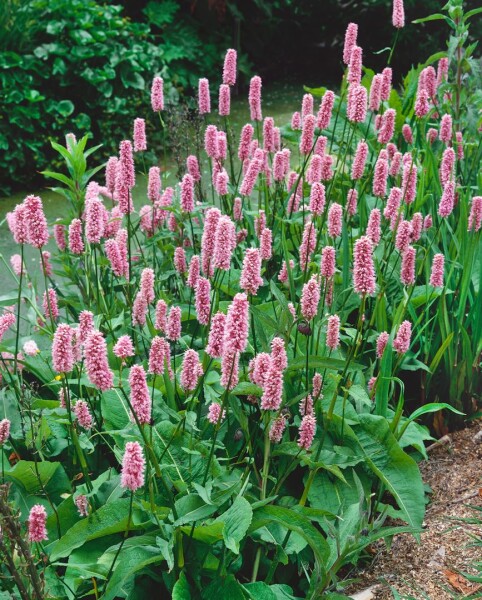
(208, 402)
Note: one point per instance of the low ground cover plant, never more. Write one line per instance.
(207, 400)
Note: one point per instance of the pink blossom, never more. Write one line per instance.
(447, 201)
(445, 133)
(62, 354)
(308, 244)
(126, 165)
(364, 281)
(17, 223)
(283, 274)
(95, 220)
(191, 370)
(393, 204)
(407, 133)
(306, 406)
(401, 343)
(154, 184)
(279, 163)
(180, 260)
(161, 315)
(111, 173)
(157, 94)
(260, 222)
(224, 243)
(224, 103)
(251, 278)
(229, 70)
(208, 240)
(326, 108)
(268, 134)
(375, 93)
(59, 235)
(422, 106)
(204, 97)
(296, 121)
(16, 263)
(86, 325)
(446, 171)
(333, 332)
(147, 220)
(82, 413)
(266, 244)
(216, 336)
(355, 66)
(398, 15)
(215, 413)
(187, 193)
(50, 305)
(249, 179)
(160, 356)
(382, 342)
(139, 310)
(124, 347)
(306, 142)
(328, 258)
(307, 432)
(475, 216)
(306, 106)
(133, 466)
(407, 270)
(237, 324)
(460, 145)
(238, 209)
(437, 274)
(139, 396)
(37, 519)
(96, 363)
(194, 271)
(221, 150)
(313, 173)
(45, 264)
(193, 168)
(310, 298)
(255, 98)
(203, 300)
(273, 389)
(76, 244)
(277, 428)
(357, 103)
(432, 135)
(380, 178)
(350, 41)
(373, 226)
(211, 141)
(388, 126)
(30, 348)
(230, 369)
(395, 164)
(245, 141)
(4, 431)
(386, 83)
(259, 367)
(173, 326)
(320, 145)
(417, 226)
(82, 505)
(279, 359)
(317, 198)
(409, 181)
(317, 386)
(139, 136)
(37, 231)
(7, 320)
(404, 235)
(359, 161)
(442, 70)
(335, 215)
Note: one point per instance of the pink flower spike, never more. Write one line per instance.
(17, 223)
(388, 126)
(447, 201)
(245, 141)
(306, 142)
(266, 239)
(328, 257)
(194, 271)
(124, 347)
(76, 244)
(193, 168)
(310, 298)
(475, 216)
(139, 310)
(187, 193)
(173, 327)
(204, 97)
(95, 220)
(126, 174)
(386, 83)
(30, 348)
(229, 70)
(157, 94)
(37, 519)
(82, 413)
(133, 466)
(111, 173)
(382, 342)
(62, 350)
(96, 363)
(357, 103)
(237, 324)
(308, 244)
(307, 432)
(398, 15)
(401, 343)
(326, 108)
(140, 399)
(4, 431)
(180, 260)
(140, 143)
(224, 100)
(359, 161)
(277, 428)
(375, 97)
(380, 178)
(86, 325)
(82, 505)
(255, 98)
(350, 41)
(296, 121)
(154, 184)
(335, 216)
(447, 165)
(7, 320)
(191, 370)
(208, 240)
(37, 230)
(215, 413)
(224, 243)
(216, 336)
(203, 300)
(333, 332)
(51, 302)
(59, 235)
(161, 316)
(407, 133)
(251, 278)
(230, 369)
(373, 227)
(364, 281)
(445, 133)
(355, 66)
(317, 199)
(407, 270)
(351, 202)
(437, 274)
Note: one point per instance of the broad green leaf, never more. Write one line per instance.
(181, 590)
(192, 508)
(397, 471)
(262, 591)
(224, 588)
(24, 473)
(294, 522)
(237, 520)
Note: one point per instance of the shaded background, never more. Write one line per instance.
(86, 66)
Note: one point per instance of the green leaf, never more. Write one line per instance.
(192, 508)
(294, 522)
(397, 471)
(434, 17)
(24, 473)
(65, 108)
(181, 589)
(320, 362)
(110, 518)
(260, 590)
(237, 520)
(226, 588)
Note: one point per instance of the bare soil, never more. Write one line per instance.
(432, 569)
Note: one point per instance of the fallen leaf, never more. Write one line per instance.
(459, 583)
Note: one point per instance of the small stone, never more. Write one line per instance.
(477, 439)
